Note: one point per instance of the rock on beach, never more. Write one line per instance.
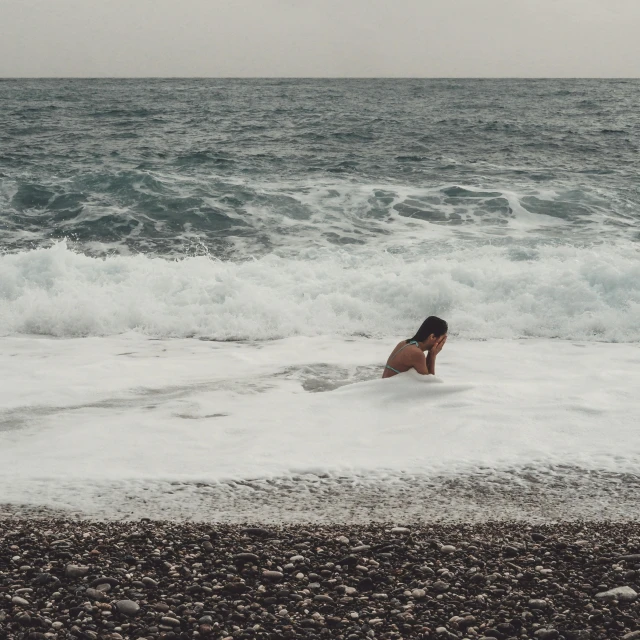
(68, 580)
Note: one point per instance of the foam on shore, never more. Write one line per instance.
(97, 424)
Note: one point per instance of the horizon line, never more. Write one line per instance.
(319, 77)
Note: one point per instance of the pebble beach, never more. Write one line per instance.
(118, 580)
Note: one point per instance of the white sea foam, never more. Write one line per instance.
(88, 421)
(585, 293)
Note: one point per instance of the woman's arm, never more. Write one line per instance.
(431, 363)
(419, 364)
(433, 352)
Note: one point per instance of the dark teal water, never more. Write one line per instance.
(248, 167)
(260, 209)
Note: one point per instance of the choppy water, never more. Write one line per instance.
(341, 206)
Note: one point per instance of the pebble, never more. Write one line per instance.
(245, 558)
(633, 557)
(75, 571)
(112, 582)
(20, 601)
(127, 607)
(256, 531)
(273, 575)
(624, 594)
(323, 598)
(440, 586)
(538, 604)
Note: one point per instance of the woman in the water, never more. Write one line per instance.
(409, 354)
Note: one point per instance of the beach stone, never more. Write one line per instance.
(257, 532)
(245, 558)
(633, 557)
(113, 582)
(95, 594)
(624, 594)
(348, 561)
(366, 584)
(634, 635)
(503, 627)
(400, 530)
(538, 604)
(150, 583)
(323, 598)
(20, 601)
(24, 619)
(172, 622)
(440, 586)
(273, 575)
(447, 548)
(75, 571)
(127, 607)
(546, 634)
(342, 540)
(418, 593)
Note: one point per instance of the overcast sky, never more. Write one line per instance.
(336, 38)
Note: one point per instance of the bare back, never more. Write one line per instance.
(404, 357)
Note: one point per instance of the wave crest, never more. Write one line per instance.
(484, 292)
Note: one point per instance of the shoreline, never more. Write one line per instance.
(534, 495)
(154, 579)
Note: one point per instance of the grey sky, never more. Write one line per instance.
(419, 38)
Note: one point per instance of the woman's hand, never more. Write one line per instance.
(437, 347)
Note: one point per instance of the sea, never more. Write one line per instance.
(201, 280)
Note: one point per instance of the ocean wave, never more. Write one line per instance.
(138, 210)
(484, 292)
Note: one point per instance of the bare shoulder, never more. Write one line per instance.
(409, 351)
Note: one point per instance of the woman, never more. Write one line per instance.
(409, 354)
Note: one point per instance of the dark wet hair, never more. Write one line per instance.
(432, 324)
